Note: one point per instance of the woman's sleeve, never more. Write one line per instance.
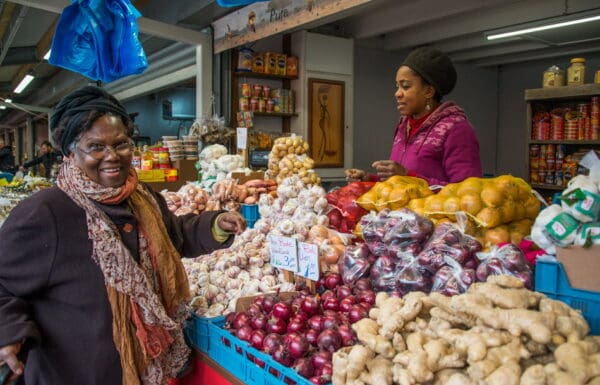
(191, 234)
(461, 154)
(27, 252)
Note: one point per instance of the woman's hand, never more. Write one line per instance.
(8, 355)
(388, 168)
(231, 222)
(355, 175)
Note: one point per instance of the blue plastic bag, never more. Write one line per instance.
(235, 3)
(99, 39)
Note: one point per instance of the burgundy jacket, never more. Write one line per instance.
(444, 150)
(52, 294)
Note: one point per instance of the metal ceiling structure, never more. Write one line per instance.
(169, 29)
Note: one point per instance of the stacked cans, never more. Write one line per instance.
(546, 163)
(595, 117)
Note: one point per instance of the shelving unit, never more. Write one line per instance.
(545, 99)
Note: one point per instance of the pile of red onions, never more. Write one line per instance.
(302, 333)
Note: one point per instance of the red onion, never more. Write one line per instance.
(282, 356)
(296, 304)
(259, 321)
(288, 337)
(346, 303)
(327, 369)
(296, 324)
(298, 346)
(331, 304)
(330, 322)
(367, 306)
(347, 334)
(363, 284)
(367, 296)
(311, 336)
(241, 319)
(258, 300)
(276, 325)
(310, 305)
(229, 318)
(343, 291)
(304, 367)
(319, 380)
(281, 310)
(332, 280)
(272, 342)
(327, 294)
(329, 340)
(244, 333)
(357, 313)
(320, 358)
(268, 302)
(256, 338)
(300, 317)
(253, 310)
(316, 322)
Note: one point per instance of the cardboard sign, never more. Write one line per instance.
(284, 253)
(308, 261)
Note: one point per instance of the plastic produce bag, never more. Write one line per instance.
(383, 273)
(345, 213)
(506, 259)
(588, 234)
(554, 227)
(581, 199)
(411, 276)
(447, 241)
(99, 39)
(354, 264)
(452, 278)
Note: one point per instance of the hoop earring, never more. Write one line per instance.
(428, 106)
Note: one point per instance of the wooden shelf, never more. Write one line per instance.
(565, 92)
(581, 142)
(257, 75)
(282, 114)
(547, 187)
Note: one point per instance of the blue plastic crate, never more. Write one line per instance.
(197, 331)
(551, 279)
(249, 365)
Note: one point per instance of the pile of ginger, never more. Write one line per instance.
(497, 333)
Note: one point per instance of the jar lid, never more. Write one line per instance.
(578, 60)
(553, 68)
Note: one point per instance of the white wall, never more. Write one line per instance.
(375, 107)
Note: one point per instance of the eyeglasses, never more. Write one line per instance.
(99, 151)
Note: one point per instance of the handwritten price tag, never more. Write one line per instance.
(284, 253)
(308, 261)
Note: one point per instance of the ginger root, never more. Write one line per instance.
(380, 372)
(367, 332)
(577, 359)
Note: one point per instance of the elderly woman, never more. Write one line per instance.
(92, 288)
(433, 140)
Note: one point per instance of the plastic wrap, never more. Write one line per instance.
(506, 259)
(354, 263)
(452, 278)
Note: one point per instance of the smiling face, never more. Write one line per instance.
(112, 170)
(412, 93)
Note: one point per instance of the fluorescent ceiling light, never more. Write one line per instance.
(8, 100)
(24, 83)
(542, 28)
(47, 55)
(2, 107)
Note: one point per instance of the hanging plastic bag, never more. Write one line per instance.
(506, 259)
(452, 278)
(354, 264)
(99, 39)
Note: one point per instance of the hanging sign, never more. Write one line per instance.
(242, 137)
(284, 253)
(308, 260)
(260, 20)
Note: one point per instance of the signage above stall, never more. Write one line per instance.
(260, 20)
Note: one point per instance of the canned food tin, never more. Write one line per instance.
(559, 178)
(558, 127)
(253, 104)
(534, 177)
(550, 177)
(244, 104)
(534, 151)
(551, 152)
(245, 92)
(542, 176)
(262, 105)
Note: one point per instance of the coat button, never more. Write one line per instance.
(128, 227)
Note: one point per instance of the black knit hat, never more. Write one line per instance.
(433, 66)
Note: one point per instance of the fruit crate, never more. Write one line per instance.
(246, 363)
(551, 279)
(197, 331)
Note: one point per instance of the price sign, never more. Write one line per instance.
(242, 138)
(308, 260)
(284, 253)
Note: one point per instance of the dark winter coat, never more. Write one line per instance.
(52, 293)
(7, 160)
(47, 160)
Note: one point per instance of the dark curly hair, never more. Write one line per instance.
(77, 112)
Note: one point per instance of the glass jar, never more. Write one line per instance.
(576, 71)
(554, 77)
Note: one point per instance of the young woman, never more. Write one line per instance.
(433, 140)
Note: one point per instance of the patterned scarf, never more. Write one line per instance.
(147, 299)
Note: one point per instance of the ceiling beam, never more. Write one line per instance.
(395, 14)
(13, 28)
(483, 20)
(495, 51)
(20, 55)
(146, 25)
(6, 17)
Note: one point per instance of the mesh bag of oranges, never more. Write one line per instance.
(490, 202)
(394, 193)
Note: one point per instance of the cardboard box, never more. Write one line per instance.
(582, 266)
(243, 178)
